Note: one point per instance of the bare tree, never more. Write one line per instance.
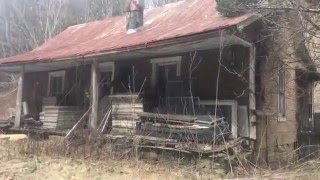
(304, 22)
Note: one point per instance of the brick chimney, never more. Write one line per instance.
(135, 10)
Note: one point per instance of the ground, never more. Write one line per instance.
(19, 159)
(22, 159)
(61, 168)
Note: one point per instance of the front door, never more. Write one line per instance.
(166, 75)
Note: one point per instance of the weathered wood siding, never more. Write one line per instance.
(77, 84)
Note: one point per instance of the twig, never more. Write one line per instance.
(217, 92)
(106, 120)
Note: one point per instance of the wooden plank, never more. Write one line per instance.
(164, 148)
(94, 95)
(125, 117)
(252, 93)
(243, 119)
(127, 112)
(127, 105)
(127, 109)
(124, 123)
(168, 116)
(64, 115)
(19, 98)
(165, 121)
(210, 121)
(131, 96)
(154, 139)
(62, 108)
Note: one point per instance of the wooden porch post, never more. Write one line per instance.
(94, 96)
(252, 92)
(19, 98)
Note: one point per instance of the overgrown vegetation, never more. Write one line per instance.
(231, 8)
(58, 159)
(297, 17)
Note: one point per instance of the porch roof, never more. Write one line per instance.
(163, 26)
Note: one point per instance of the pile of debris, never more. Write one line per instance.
(199, 129)
(183, 133)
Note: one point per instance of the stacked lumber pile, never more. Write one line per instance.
(60, 117)
(125, 109)
(185, 128)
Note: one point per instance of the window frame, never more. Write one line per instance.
(174, 60)
(56, 74)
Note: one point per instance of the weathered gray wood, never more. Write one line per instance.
(164, 148)
(168, 117)
(215, 121)
(252, 93)
(77, 124)
(127, 105)
(243, 119)
(233, 104)
(19, 98)
(94, 96)
(125, 96)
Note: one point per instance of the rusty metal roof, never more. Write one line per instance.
(184, 18)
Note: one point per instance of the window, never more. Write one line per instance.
(165, 73)
(171, 66)
(56, 83)
(281, 93)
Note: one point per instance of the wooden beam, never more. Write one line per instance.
(252, 93)
(94, 96)
(19, 98)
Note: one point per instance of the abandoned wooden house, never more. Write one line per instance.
(185, 71)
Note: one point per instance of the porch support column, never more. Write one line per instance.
(94, 96)
(252, 92)
(18, 113)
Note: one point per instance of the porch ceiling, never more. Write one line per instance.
(219, 39)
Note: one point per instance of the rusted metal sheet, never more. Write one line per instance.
(184, 18)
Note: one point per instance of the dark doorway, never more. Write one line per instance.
(105, 83)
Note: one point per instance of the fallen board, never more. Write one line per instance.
(184, 118)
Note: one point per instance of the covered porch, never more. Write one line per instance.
(196, 83)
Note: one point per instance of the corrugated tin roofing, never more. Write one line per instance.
(174, 20)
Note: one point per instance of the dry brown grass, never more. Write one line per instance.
(57, 159)
(82, 159)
